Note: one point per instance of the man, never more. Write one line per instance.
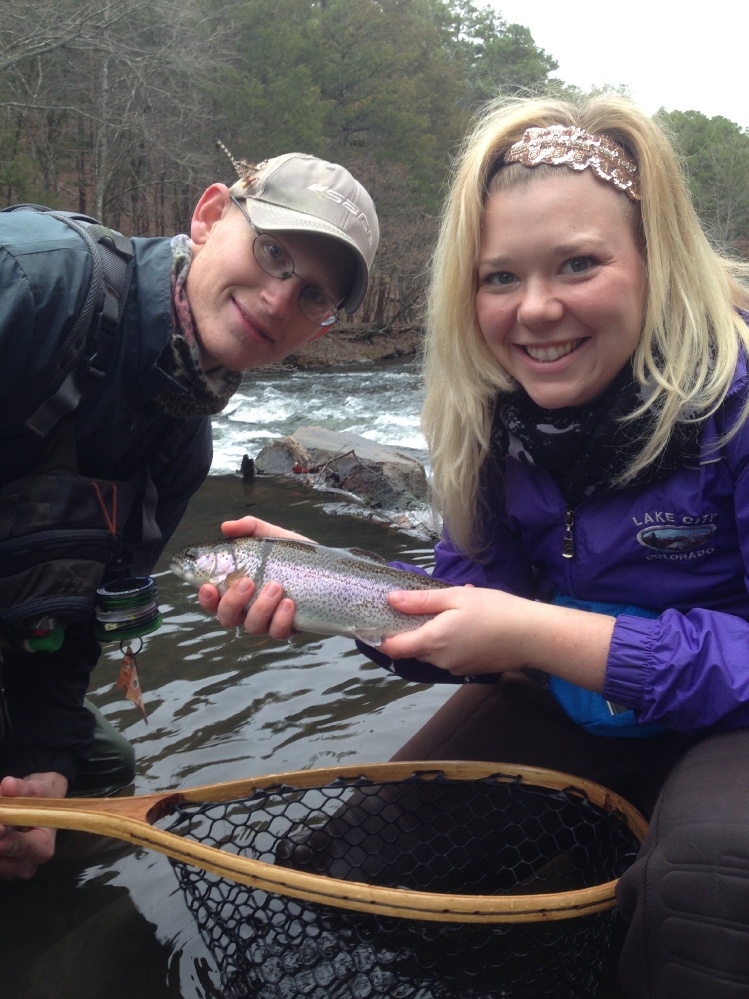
(267, 267)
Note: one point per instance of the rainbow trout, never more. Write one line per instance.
(337, 591)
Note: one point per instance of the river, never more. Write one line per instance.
(106, 919)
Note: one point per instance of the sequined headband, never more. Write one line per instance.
(563, 145)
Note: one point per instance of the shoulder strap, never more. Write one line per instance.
(88, 346)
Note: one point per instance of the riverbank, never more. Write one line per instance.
(346, 345)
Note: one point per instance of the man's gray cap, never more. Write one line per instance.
(300, 193)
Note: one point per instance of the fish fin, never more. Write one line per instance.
(294, 542)
(363, 553)
(370, 636)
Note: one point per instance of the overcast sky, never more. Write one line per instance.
(681, 56)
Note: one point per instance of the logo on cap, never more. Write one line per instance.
(340, 199)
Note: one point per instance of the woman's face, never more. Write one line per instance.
(561, 286)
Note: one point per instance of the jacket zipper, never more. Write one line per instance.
(568, 547)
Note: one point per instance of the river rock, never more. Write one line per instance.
(381, 476)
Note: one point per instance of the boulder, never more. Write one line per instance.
(381, 476)
(281, 457)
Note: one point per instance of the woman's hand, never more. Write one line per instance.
(472, 633)
(271, 613)
(488, 631)
(22, 850)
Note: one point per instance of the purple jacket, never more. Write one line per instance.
(679, 546)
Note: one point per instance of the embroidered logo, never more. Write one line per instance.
(676, 539)
(340, 199)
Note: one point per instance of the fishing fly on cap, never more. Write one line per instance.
(573, 147)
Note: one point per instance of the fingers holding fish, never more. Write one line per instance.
(433, 641)
(229, 606)
(209, 598)
(254, 527)
(473, 630)
(270, 613)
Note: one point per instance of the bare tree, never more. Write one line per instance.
(110, 101)
(38, 28)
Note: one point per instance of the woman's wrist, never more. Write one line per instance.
(568, 643)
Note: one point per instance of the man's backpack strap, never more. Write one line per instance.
(87, 348)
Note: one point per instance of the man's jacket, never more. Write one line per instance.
(119, 431)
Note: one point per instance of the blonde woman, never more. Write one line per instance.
(586, 412)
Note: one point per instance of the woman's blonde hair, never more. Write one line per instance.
(691, 334)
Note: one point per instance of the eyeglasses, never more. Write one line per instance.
(273, 257)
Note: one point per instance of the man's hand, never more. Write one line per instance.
(22, 850)
(254, 527)
(271, 613)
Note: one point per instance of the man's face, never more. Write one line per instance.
(244, 318)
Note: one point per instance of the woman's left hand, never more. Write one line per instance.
(474, 630)
(480, 630)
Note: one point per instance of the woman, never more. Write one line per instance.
(587, 398)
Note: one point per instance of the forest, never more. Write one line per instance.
(113, 108)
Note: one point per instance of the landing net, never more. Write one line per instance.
(512, 841)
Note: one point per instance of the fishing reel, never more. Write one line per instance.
(127, 609)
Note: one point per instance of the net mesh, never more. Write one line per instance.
(424, 834)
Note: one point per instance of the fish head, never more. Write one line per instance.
(206, 563)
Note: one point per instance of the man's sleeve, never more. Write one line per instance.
(51, 730)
